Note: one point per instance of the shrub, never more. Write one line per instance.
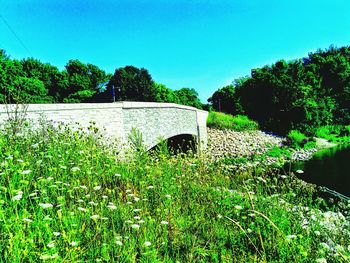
(226, 121)
(297, 139)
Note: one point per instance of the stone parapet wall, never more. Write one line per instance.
(153, 120)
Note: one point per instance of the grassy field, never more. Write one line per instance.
(67, 197)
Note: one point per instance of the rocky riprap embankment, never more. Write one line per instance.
(233, 144)
(240, 144)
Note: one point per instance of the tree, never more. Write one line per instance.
(187, 96)
(130, 83)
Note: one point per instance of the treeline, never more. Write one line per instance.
(31, 81)
(300, 94)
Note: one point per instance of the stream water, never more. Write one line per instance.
(329, 167)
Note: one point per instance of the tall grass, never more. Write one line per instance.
(225, 121)
(66, 197)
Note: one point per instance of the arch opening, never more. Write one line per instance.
(182, 143)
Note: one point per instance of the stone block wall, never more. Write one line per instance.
(153, 120)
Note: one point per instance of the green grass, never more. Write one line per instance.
(334, 133)
(66, 197)
(225, 121)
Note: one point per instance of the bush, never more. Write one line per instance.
(226, 121)
(297, 139)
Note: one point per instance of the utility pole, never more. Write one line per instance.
(113, 93)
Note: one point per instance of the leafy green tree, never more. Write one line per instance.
(187, 96)
(129, 83)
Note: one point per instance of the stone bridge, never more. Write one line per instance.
(154, 120)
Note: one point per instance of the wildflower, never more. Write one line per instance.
(82, 209)
(47, 218)
(96, 188)
(137, 210)
(150, 187)
(261, 179)
(135, 226)
(87, 196)
(27, 220)
(73, 243)
(56, 234)
(26, 172)
(92, 203)
(128, 221)
(136, 199)
(137, 217)
(141, 221)
(18, 196)
(51, 244)
(290, 237)
(147, 244)
(129, 203)
(119, 243)
(49, 178)
(131, 195)
(80, 201)
(105, 197)
(238, 207)
(95, 217)
(128, 191)
(45, 206)
(321, 260)
(75, 169)
(168, 196)
(219, 216)
(164, 222)
(118, 175)
(112, 207)
(83, 187)
(299, 171)
(104, 218)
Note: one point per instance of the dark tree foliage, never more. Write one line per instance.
(299, 94)
(31, 81)
(130, 83)
(187, 96)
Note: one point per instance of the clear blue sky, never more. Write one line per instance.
(198, 44)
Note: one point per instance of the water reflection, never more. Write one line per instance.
(329, 167)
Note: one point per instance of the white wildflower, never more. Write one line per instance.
(117, 175)
(135, 226)
(27, 220)
(290, 237)
(56, 234)
(164, 222)
(168, 196)
(137, 217)
(112, 207)
(96, 188)
(137, 210)
(238, 207)
(73, 243)
(147, 244)
(82, 209)
(45, 206)
(26, 172)
(75, 169)
(150, 187)
(119, 243)
(95, 217)
(321, 260)
(17, 197)
(51, 244)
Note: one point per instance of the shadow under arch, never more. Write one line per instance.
(181, 143)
